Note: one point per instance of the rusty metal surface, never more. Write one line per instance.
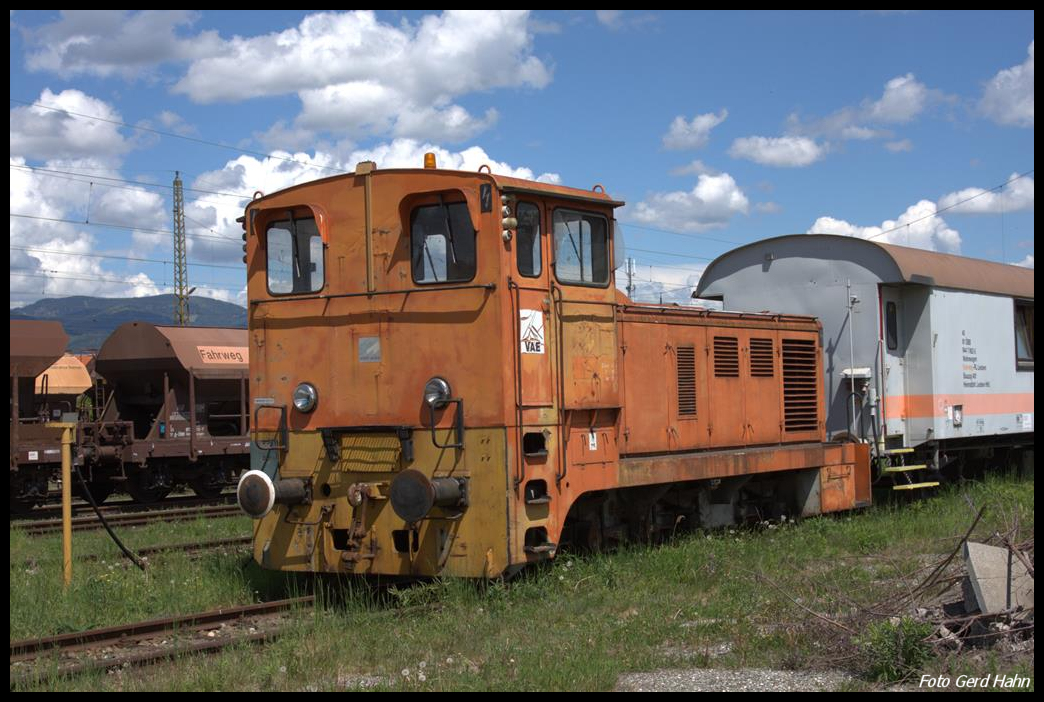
(212, 352)
(66, 376)
(35, 346)
(642, 470)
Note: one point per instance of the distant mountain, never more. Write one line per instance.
(89, 320)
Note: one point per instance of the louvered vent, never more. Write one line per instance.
(726, 357)
(686, 381)
(761, 358)
(800, 406)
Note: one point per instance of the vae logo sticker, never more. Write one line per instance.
(531, 331)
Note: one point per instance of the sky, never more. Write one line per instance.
(717, 129)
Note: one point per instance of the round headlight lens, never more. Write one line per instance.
(305, 397)
(436, 392)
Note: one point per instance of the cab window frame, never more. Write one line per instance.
(608, 248)
(413, 211)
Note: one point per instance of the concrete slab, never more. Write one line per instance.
(997, 580)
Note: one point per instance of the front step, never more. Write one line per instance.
(904, 469)
(916, 486)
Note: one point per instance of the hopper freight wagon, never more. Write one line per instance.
(446, 381)
(35, 449)
(175, 412)
(927, 356)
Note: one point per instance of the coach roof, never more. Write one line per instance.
(916, 266)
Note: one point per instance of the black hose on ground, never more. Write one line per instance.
(90, 499)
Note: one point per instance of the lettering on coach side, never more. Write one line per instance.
(223, 354)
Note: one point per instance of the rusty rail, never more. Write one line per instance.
(31, 649)
(49, 526)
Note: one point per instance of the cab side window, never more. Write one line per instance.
(528, 241)
(581, 248)
(442, 243)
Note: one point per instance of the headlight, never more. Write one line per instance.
(436, 393)
(305, 397)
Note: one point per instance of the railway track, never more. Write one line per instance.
(122, 506)
(34, 661)
(50, 526)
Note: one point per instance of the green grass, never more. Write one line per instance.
(728, 599)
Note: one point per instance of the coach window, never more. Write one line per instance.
(581, 248)
(1024, 334)
(891, 327)
(294, 251)
(528, 243)
(442, 243)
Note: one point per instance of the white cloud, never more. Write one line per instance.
(1026, 262)
(609, 18)
(785, 152)
(714, 201)
(901, 146)
(919, 227)
(39, 133)
(1008, 96)
(617, 20)
(1015, 196)
(115, 42)
(697, 167)
(58, 261)
(904, 99)
(358, 76)
(692, 134)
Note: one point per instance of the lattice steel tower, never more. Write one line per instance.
(181, 303)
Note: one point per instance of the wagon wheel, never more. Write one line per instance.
(100, 490)
(149, 486)
(207, 485)
(22, 506)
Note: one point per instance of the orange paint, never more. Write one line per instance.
(914, 406)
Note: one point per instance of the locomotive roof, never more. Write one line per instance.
(916, 266)
(505, 183)
(35, 345)
(207, 351)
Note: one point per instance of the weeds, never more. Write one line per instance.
(896, 649)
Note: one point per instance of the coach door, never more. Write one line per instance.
(893, 344)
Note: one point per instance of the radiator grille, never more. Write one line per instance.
(726, 357)
(761, 358)
(686, 380)
(800, 397)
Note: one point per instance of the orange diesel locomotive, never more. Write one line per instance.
(446, 381)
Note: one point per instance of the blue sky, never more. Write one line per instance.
(716, 128)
